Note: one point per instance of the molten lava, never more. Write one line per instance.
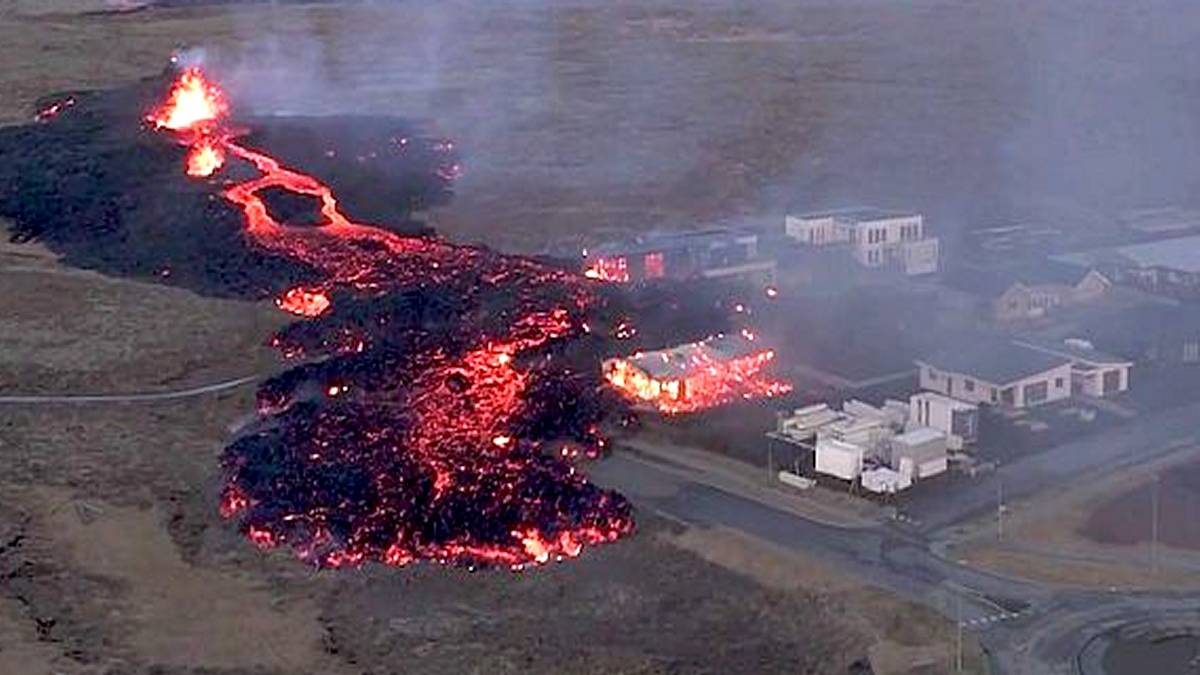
(304, 302)
(205, 158)
(437, 394)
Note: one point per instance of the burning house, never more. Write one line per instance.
(718, 253)
(697, 375)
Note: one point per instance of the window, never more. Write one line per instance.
(1036, 392)
(933, 375)
(995, 395)
(1058, 383)
(968, 384)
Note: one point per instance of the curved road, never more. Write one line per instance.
(134, 398)
(1027, 628)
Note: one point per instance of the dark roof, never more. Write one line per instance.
(1177, 253)
(1122, 330)
(992, 282)
(993, 360)
(1071, 351)
(665, 241)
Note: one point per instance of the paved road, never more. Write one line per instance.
(1139, 440)
(133, 398)
(1026, 628)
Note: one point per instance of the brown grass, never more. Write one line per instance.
(903, 637)
(1045, 537)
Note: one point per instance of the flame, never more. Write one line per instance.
(204, 159)
(192, 102)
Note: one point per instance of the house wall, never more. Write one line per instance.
(1091, 383)
(931, 410)
(876, 243)
(816, 231)
(956, 385)
(974, 390)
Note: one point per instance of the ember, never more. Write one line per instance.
(51, 111)
(428, 443)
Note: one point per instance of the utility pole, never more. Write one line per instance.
(1154, 499)
(958, 651)
(770, 458)
(999, 510)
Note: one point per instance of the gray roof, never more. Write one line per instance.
(994, 360)
(665, 241)
(858, 214)
(1179, 253)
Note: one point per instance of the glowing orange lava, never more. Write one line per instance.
(304, 302)
(455, 415)
(204, 159)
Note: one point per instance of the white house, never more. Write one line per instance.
(1093, 373)
(997, 372)
(876, 238)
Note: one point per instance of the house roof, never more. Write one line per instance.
(681, 361)
(1074, 352)
(665, 241)
(858, 214)
(995, 281)
(992, 360)
(1178, 253)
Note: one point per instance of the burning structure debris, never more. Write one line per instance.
(697, 375)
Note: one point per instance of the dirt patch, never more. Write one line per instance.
(179, 614)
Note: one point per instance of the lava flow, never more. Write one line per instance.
(424, 431)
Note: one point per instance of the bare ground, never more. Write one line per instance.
(1056, 538)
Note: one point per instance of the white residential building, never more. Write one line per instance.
(997, 372)
(1093, 373)
(876, 238)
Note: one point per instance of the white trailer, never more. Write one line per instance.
(839, 458)
(919, 453)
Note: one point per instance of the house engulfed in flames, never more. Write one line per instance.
(696, 376)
